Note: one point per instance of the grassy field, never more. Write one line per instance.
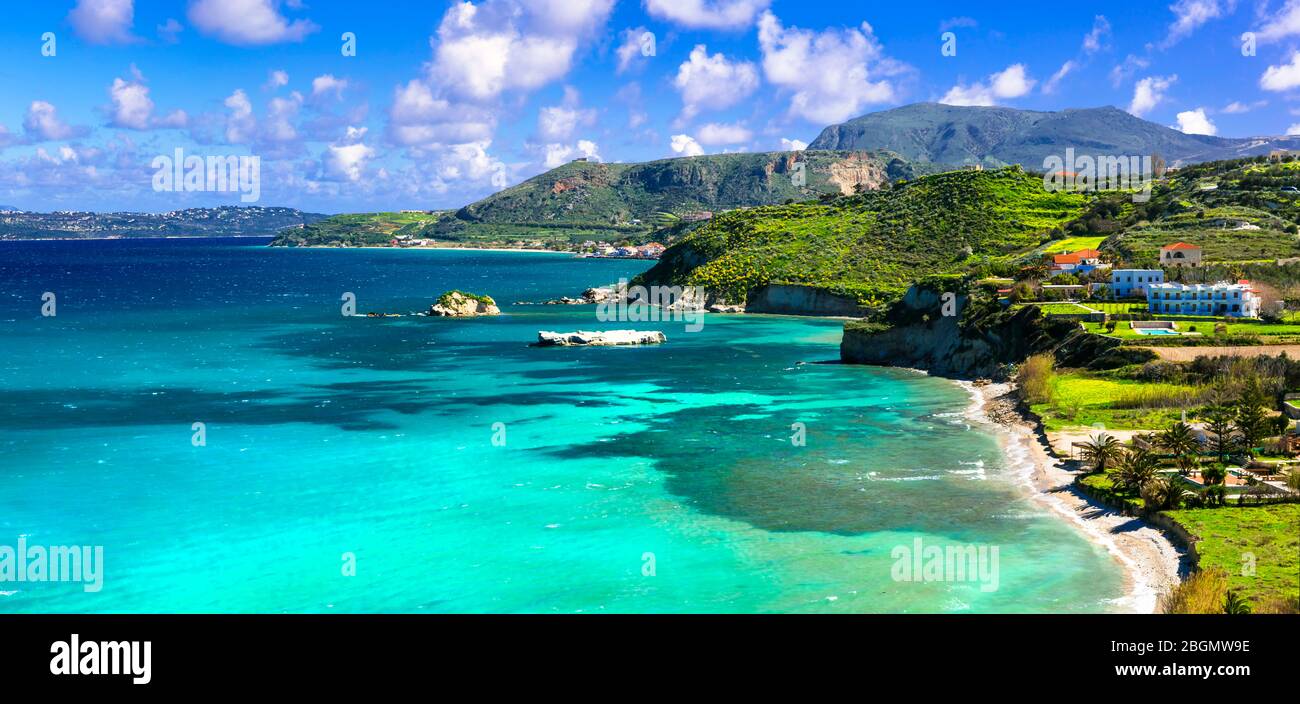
(1117, 307)
(1239, 330)
(1086, 398)
(1062, 309)
(359, 229)
(1070, 244)
(1231, 538)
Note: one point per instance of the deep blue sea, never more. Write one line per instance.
(453, 468)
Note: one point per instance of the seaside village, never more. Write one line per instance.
(589, 248)
(1211, 445)
(1178, 392)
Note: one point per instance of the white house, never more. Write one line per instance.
(1125, 283)
(1237, 300)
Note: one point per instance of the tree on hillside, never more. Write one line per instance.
(1135, 468)
(1162, 493)
(1220, 421)
(1252, 422)
(1180, 441)
(1101, 450)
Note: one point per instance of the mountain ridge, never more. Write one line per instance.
(997, 136)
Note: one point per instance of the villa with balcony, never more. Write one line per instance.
(1237, 300)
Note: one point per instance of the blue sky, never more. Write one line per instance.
(445, 101)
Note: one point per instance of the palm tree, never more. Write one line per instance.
(1187, 463)
(1100, 450)
(1179, 439)
(1136, 468)
(1161, 493)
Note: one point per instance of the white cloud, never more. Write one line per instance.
(248, 22)
(793, 145)
(713, 82)
(830, 72)
(276, 79)
(1052, 83)
(1095, 40)
(484, 50)
(629, 52)
(556, 123)
(1293, 130)
(43, 123)
(1282, 77)
(559, 154)
(346, 160)
(327, 83)
(715, 133)
(707, 14)
(239, 122)
(685, 145)
(280, 116)
(1126, 70)
(417, 118)
(1190, 15)
(1149, 93)
(133, 108)
(1011, 82)
(1238, 107)
(469, 162)
(103, 21)
(1196, 122)
(1284, 23)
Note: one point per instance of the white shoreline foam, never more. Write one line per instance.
(1150, 561)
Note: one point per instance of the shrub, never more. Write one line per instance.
(1202, 592)
(1035, 379)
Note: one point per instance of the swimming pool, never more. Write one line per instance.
(1155, 331)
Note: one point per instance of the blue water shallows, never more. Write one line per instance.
(654, 479)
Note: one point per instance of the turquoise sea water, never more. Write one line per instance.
(329, 435)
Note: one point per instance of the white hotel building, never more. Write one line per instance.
(1237, 300)
(1126, 283)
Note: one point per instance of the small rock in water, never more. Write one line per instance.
(606, 338)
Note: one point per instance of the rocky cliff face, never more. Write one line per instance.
(788, 299)
(976, 341)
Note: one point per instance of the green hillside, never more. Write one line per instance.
(1236, 210)
(581, 200)
(359, 229)
(872, 246)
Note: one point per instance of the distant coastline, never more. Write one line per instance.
(136, 237)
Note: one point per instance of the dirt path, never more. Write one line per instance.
(1187, 354)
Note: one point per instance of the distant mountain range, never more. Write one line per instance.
(995, 136)
(225, 221)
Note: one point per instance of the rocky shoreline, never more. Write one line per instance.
(1153, 564)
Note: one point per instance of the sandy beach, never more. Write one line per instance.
(1152, 564)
